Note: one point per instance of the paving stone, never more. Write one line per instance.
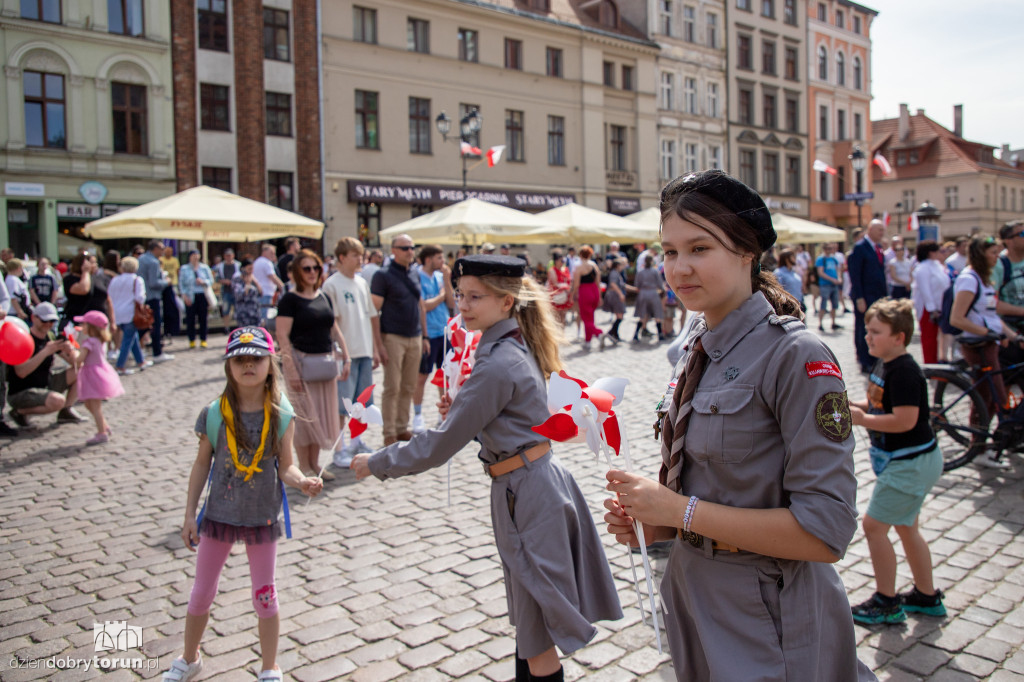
(331, 669)
(460, 665)
(921, 659)
(425, 655)
(381, 671)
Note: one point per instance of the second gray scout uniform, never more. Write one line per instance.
(557, 578)
(770, 428)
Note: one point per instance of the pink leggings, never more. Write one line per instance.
(210, 559)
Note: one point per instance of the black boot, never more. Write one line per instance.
(522, 669)
(661, 337)
(614, 331)
(557, 676)
(636, 334)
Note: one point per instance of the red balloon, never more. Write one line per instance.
(16, 344)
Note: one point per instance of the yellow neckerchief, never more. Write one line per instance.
(229, 422)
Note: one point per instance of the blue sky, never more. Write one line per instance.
(932, 54)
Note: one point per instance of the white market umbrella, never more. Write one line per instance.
(651, 217)
(473, 221)
(205, 214)
(590, 226)
(793, 230)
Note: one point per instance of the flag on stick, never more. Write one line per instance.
(823, 167)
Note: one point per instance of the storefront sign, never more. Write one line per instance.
(784, 205)
(24, 189)
(17, 215)
(111, 209)
(77, 211)
(623, 205)
(394, 193)
(93, 192)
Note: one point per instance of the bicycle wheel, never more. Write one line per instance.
(955, 410)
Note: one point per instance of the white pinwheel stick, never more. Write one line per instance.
(334, 449)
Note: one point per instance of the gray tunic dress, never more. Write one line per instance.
(613, 302)
(557, 579)
(770, 428)
(648, 300)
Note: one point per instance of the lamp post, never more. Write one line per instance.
(928, 221)
(858, 161)
(469, 125)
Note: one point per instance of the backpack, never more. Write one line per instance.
(947, 307)
(214, 419)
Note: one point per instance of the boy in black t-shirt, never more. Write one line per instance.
(907, 460)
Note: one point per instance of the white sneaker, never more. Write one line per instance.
(343, 458)
(181, 671)
(417, 424)
(989, 459)
(359, 446)
(163, 357)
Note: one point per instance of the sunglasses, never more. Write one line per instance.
(309, 268)
(404, 248)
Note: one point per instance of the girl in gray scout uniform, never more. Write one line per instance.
(244, 469)
(557, 579)
(757, 480)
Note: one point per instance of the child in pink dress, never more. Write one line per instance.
(97, 380)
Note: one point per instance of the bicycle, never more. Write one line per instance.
(961, 420)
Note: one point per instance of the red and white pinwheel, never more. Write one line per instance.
(582, 413)
(360, 414)
(460, 358)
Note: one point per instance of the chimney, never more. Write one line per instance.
(904, 126)
(1004, 153)
(920, 112)
(958, 120)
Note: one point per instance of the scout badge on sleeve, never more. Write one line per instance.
(583, 414)
(832, 416)
(361, 415)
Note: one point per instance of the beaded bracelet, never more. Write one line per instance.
(688, 515)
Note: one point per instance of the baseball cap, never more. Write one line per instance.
(93, 317)
(252, 341)
(46, 312)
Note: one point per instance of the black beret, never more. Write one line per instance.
(731, 193)
(479, 265)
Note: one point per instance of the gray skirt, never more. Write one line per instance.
(648, 304)
(613, 303)
(557, 579)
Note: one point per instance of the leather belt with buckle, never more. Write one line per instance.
(698, 541)
(518, 460)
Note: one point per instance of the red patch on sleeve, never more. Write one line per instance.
(823, 369)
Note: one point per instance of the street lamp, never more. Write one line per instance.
(468, 126)
(859, 162)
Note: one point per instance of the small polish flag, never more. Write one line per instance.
(494, 155)
(467, 148)
(882, 163)
(823, 167)
(886, 217)
(912, 224)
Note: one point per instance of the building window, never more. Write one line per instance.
(128, 104)
(1002, 198)
(668, 91)
(988, 197)
(41, 10)
(840, 124)
(213, 24)
(901, 158)
(364, 24)
(608, 14)
(768, 9)
(514, 135)
(823, 187)
(909, 200)
(858, 78)
(627, 78)
(420, 209)
(711, 19)
(275, 35)
(713, 100)
(213, 105)
(748, 167)
(746, 105)
(792, 115)
(856, 24)
(217, 177)
(617, 148)
(608, 70)
(792, 59)
(419, 125)
(279, 190)
(125, 17)
(822, 122)
(840, 182)
(913, 156)
(473, 138)
(768, 57)
(417, 35)
(840, 69)
(822, 12)
(279, 114)
(554, 60)
(715, 157)
(858, 127)
(542, 5)
(368, 223)
(513, 54)
(468, 45)
(789, 12)
(44, 109)
(668, 159)
(793, 175)
(556, 141)
(367, 136)
(840, 19)
(689, 23)
(770, 109)
(691, 157)
(953, 198)
(665, 17)
(1013, 198)
(690, 95)
(743, 4)
(822, 63)
(771, 174)
(744, 58)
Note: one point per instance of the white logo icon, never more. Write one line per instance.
(116, 636)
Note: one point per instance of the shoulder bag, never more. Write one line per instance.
(142, 319)
(316, 366)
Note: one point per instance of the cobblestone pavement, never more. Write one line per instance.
(387, 581)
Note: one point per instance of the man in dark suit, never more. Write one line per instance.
(866, 269)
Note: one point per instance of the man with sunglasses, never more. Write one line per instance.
(1008, 277)
(397, 295)
(33, 387)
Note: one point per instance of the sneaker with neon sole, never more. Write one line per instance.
(916, 601)
(879, 609)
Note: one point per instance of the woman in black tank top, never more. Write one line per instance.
(586, 292)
